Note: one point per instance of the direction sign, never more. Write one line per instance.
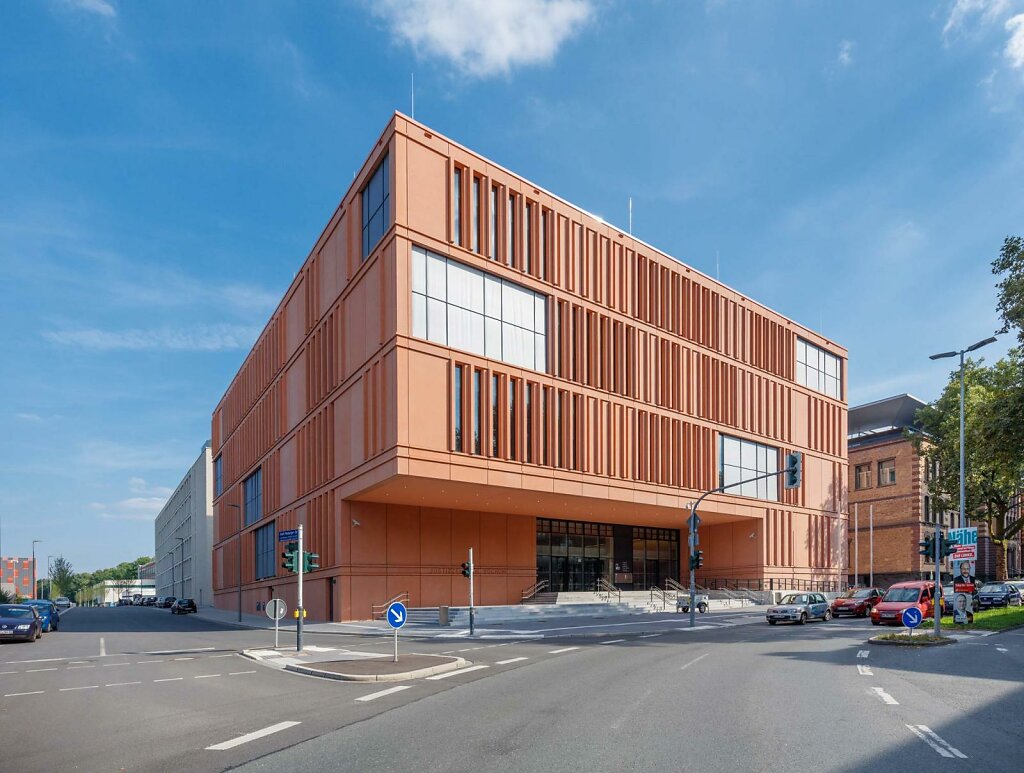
(396, 615)
(288, 535)
(911, 617)
(276, 609)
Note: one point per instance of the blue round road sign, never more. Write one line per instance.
(396, 614)
(911, 617)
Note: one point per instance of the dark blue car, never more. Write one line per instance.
(19, 621)
(48, 612)
(998, 594)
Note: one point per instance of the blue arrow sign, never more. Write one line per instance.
(288, 535)
(911, 617)
(396, 614)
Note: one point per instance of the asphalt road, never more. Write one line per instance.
(138, 689)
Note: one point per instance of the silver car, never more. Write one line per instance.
(799, 608)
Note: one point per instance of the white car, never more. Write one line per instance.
(62, 602)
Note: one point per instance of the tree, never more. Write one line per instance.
(994, 436)
(1010, 264)
(5, 597)
(62, 575)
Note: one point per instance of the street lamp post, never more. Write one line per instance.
(962, 520)
(181, 544)
(238, 540)
(49, 578)
(35, 593)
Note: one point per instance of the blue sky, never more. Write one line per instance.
(166, 166)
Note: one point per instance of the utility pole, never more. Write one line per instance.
(472, 612)
(936, 601)
(300, 611)
(871, 544)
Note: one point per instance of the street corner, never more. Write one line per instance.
(381, 668)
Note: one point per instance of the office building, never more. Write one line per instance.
(184, 536)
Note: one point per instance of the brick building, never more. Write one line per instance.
(466, 360)
(16, 576)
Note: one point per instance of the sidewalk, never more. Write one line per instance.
(350, 666)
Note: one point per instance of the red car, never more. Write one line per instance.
(900, 596)
(856, 601)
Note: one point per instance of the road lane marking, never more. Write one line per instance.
(87, 687)
(19, 694)
(178, 652)
(72, 668)
(510, 660)
(229, 655)
(390, 691)
(239, 673)
(121, 684)
(564, 649)
(700, 657)
(883, 696)
(37, 670)
(253, 736)
(698, 628)
(939, 744)
(864, 670)
(862, 653)
(103, 648)
(650, 635)
(173, 679)
(10, 672)
(112, 665)
(144, 662)
(206, 676)
(455, 673)
(613, 641)
(184, 658)
(1001, 649)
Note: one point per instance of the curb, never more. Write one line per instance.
(453, 665)
(910, 643)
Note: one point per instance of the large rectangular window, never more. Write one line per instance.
(468, 309)
(817, 369)
(513, 419)
(510, 231)
(495, 418)
(475, 236)
(743, 459)
(492, 243)
(265, 545)
(376, 200)
(477, 417)
(252, 490)
(528, 238)
(887, 472)
(862, 477)
(218, 476)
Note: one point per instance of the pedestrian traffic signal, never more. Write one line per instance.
(947, 547)
(794, 470)
(290, 557)
(927, 546)
(310, 561)
(697, 559)
(466, 571)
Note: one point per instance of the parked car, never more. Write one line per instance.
(998, 594)
(20, 621)
(168, 601)
(856, 601)
(183, 606)
(48, 612)
(159, 601)
(901, 596)
(1019, 585)
(799, 608)
(149, 601)
(62, 602)
(949, 597)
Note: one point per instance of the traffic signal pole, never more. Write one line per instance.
(936, 599)
(471, 610)
(299, 610)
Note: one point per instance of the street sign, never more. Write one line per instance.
(396, 615)
(276, 609)
(912, 617)
(288, 535)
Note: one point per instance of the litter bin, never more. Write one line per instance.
(442, 615)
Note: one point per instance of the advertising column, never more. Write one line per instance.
(964, 561)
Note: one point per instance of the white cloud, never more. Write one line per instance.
(131, 509)
(201, 338)
(109, 455)
(139, 486)
(845, 56)
(99, 7)
(962, 10)
(35, 417)
(1014, 50)
(485, 37)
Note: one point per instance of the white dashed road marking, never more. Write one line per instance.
(1001, 649)
(19, 694)
(87, 687)
(864, 670)
(121, 684)
(510, 660)
(940, 745)
(564, 649)
(206, 676)
(256, 734)
(883, 696)
(172, 679)
(37, 670)
(390, 691)
(613, 641)
(862, 653)
(455, 673)
(239, 673)
(700, 657)
(650, 635)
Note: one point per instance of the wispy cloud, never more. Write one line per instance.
(141, 487)
(110, 455)
(1014, 50)
(845, 56)
(130, 509)
(964, 10)
(98, 7)
(33, 417)
(200, 338)
(482, 38)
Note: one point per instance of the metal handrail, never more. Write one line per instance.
(672, 585)
(378, 610)
(657, 594)
(607, 589)
(533, 590)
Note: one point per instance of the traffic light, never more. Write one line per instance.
(697, 559)
(927, 546)
(794, 470)
(465, 569)
(310, 561)
(290, 557)
(947, 547)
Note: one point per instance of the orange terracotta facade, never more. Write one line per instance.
(350, 418)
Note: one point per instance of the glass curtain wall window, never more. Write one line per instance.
(458, 407)
(817, 369)
(464, 308)
(476, 412)
(528, 238)
(510, 228)
(252, 489)
(492, 243)
(513, 419)
(218, 476)
(495, 418)
(742, 459)
(265, 539)
(458, 205)
(544, 244)
(376, 207)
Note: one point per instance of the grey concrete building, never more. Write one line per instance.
(184, 536)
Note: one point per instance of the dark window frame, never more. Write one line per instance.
(866, 467)
(218, 475)
(375, 227)
(881, 481)
(252, 493)
(264, 550)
